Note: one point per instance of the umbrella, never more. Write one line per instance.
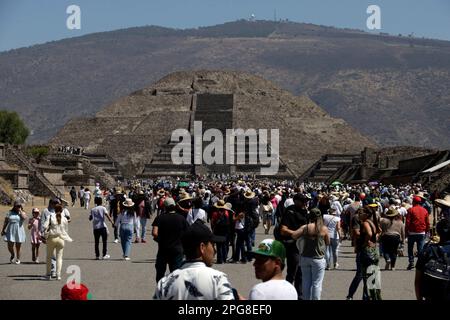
(373, 183)
(336, 183)
(183, 184)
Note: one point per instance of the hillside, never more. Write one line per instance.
(395, 90)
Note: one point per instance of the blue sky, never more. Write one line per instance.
(27, 22)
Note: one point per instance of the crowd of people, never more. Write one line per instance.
(199, 223)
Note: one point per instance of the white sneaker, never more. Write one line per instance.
(17, 261)
(36, 261)
(127, 259)
(58, 278)
(106, 256)
(336, 265)
(116, 241)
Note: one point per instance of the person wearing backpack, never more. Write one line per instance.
(432, 280)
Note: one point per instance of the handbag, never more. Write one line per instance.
(369, 256)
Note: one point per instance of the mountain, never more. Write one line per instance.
(393, 89)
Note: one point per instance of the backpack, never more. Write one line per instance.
(436, 281)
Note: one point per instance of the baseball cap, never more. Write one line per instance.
(199, 232)
(271, 248)
(169, 202)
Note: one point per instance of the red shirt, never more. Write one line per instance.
(417, 220)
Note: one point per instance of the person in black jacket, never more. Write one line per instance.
(293, 218)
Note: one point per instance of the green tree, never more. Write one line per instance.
(38, 152)
(12, 128)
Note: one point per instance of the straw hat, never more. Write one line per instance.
(445, 201)
(249, 194)
(184, 196)
(392, 213)
(220, 205)
(128, 202)
(161, 192)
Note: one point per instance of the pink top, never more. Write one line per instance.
(35, 230)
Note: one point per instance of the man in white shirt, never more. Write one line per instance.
(195, 279)
(269, 264)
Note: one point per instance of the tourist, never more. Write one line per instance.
(125, 223)
(143, 212)
(294, 216)
(266, 212)
(13, 231)
(369, 255)
(73, 195)
(56, 234)
(195, 279)
(333, 224)
(432, 268)
(269, 263)
(34, 225)
(220, 225)
(81, 196)
(312, 260)
(167, 230)
(197, 212)
(97, 216)
(86, 198)
(416, 226)
(392, 235)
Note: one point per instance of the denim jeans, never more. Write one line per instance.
(415, 238)
(143, 224)
(126, 236)
(313, 271)
(332, 251)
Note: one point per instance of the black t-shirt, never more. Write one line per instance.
(294, 218)
(171, 227)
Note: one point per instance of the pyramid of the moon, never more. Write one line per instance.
(136, 130)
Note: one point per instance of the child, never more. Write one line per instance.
(34, 225)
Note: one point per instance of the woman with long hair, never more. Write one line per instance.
(312, 261)
(369, 255)
(266, 212)
(55, 230)
(126, 222)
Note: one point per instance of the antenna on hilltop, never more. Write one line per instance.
(252, 17)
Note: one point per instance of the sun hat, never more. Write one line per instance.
(249, 194)
(161, 192)
(392, 213)
(184, 196)
(220, 205)
(445, 201)
(128, 203)
(271, 248)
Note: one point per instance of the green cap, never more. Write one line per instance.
(271, 248)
